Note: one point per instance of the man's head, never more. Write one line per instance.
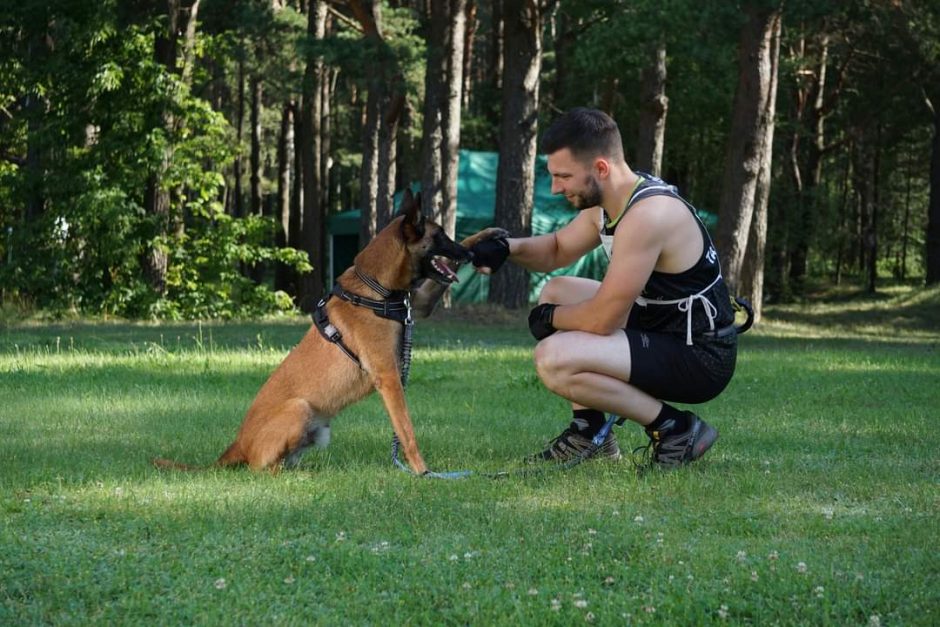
(587, 133)
(582, 145)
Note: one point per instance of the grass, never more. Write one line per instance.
(819, 504)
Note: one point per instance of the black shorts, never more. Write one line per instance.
(665, 367)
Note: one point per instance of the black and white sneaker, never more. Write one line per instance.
(670, 448)
(572, 443)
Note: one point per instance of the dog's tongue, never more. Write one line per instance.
(450, 273)
(444, 269)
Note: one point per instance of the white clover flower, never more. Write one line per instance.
(723, 612)
(801, 567)
(220, 583)
(580, 603)
(741, 556)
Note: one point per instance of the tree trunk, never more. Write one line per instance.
(515, 177)
(255, 160)
(752, 120)
(933, 211)
(468, 43)
(385, 103)
(283, 276)
(441, 135)
(154, 261)
(653, 107)
(312, 229)
(238, 206)
(752, 271)
(810, 124)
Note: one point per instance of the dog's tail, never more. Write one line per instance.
(169, 464)
(231, 457)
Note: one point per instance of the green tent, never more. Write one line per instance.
(476, 197)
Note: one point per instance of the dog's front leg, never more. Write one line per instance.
(393, 396)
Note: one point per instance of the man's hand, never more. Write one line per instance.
(540, 321)
(490, 253)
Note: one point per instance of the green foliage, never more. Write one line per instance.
(103, 135)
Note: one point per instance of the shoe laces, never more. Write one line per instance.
(660, 450)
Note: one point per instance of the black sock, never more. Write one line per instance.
(588, 421)
(668, 412)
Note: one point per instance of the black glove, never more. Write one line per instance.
(490, 253)
(540, 321)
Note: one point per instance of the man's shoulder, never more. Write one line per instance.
(662, 209)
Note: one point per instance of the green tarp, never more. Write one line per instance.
(476, 197)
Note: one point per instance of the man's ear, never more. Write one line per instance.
(602, 167)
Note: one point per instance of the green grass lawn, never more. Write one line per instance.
(818, 504)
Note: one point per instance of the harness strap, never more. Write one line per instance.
(329, 332)
(397, 309)
(685, 305)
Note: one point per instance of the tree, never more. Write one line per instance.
(181, 19)
(653, 107)
(442, 106)
(313, 227)
(386, 101)
(515, 177)
(742, 220)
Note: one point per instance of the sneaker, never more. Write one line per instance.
(671, 449)
(572, 444)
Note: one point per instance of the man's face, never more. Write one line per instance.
(574, 179)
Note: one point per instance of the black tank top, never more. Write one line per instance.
(689, 302)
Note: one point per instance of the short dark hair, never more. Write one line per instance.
(587, 133)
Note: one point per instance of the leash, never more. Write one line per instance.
(587, 453)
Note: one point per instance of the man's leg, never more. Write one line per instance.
(586, 419)
(594, 371)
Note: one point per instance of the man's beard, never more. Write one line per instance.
(590, 197)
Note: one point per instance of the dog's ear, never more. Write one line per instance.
(412, 226)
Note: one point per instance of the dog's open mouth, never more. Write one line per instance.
(440, 267)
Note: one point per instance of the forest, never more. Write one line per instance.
(181, 159)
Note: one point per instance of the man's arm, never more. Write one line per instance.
(638, 243)
(544, 253)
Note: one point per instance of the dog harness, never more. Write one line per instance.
(394, 305)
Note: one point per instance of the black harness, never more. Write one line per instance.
(394, 305)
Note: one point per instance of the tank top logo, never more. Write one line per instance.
(712, 255)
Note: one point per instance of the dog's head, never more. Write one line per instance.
(427, 243)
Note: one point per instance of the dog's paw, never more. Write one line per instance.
(485, 234)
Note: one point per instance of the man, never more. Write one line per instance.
(658, 328)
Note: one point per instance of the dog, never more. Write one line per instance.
(354, 346)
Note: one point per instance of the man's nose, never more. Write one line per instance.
(557, 188)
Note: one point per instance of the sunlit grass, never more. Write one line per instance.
(817, 505)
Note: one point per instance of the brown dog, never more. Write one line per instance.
(354, 347)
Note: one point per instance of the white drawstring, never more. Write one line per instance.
(685, 306)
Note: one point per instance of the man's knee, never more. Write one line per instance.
(550, 361)
(553, 291)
